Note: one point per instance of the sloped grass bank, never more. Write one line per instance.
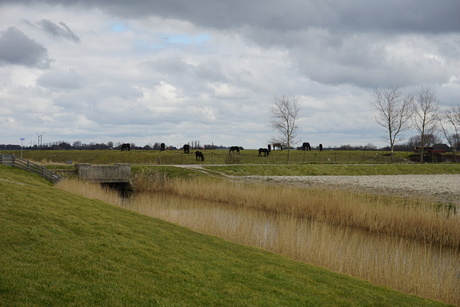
(62, 249)
(336, 169)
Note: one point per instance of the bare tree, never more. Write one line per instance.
(425, 117)
(394, 113)
(284, 119)
(450, 126)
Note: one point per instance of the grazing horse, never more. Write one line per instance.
(162, 147)
(306, 146)
(199, 156)
(234, 148)
(264, 151)
(186, 148)
(277, 145)
(126, 147)
(320, 147)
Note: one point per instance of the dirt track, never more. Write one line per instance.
(444, 188)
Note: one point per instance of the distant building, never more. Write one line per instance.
(444, 147)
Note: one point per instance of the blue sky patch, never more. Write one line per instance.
(118, 27)
(186, 39)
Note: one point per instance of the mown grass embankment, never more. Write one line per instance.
(63, 249)
(336, 169)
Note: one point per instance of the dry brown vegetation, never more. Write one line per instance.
(401, 243)
(401, 217)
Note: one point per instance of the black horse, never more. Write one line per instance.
(186, 148)
(162, 147)
(320, 147)
(264, 151)
(234, 148)
(269, 146)
(306, 146)
(199, 156)
(125, 147)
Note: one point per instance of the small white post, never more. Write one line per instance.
(22, 142)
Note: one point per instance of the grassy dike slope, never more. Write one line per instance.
(59, 249)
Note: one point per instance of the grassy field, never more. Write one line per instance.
(63, 249)
(247, 163)
(156, 157)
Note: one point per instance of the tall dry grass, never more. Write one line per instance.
(363, 236)
(407, 218)
(90, 190)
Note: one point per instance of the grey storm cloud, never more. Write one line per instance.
(65, 80)
(352, 15)
(333, 41)
(16, 48)
(61, 30)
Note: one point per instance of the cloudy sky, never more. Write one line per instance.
(176, 71)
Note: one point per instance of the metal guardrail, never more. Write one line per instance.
(26, 165)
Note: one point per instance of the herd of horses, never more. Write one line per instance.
(199, 156)
(266, 151)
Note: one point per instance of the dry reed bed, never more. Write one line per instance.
(402, 217)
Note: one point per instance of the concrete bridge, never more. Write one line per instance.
(116, 176)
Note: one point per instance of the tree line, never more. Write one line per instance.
(78, 145)
(398, 112)
(408, 146)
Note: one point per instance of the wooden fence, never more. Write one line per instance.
(26, 165)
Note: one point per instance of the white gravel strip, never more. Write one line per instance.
(441, 187)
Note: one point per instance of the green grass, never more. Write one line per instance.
(168, 171)
(156, 157)
(62, 249)
(247, 163)
(336, 169)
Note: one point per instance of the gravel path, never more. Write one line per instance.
(444, 188)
